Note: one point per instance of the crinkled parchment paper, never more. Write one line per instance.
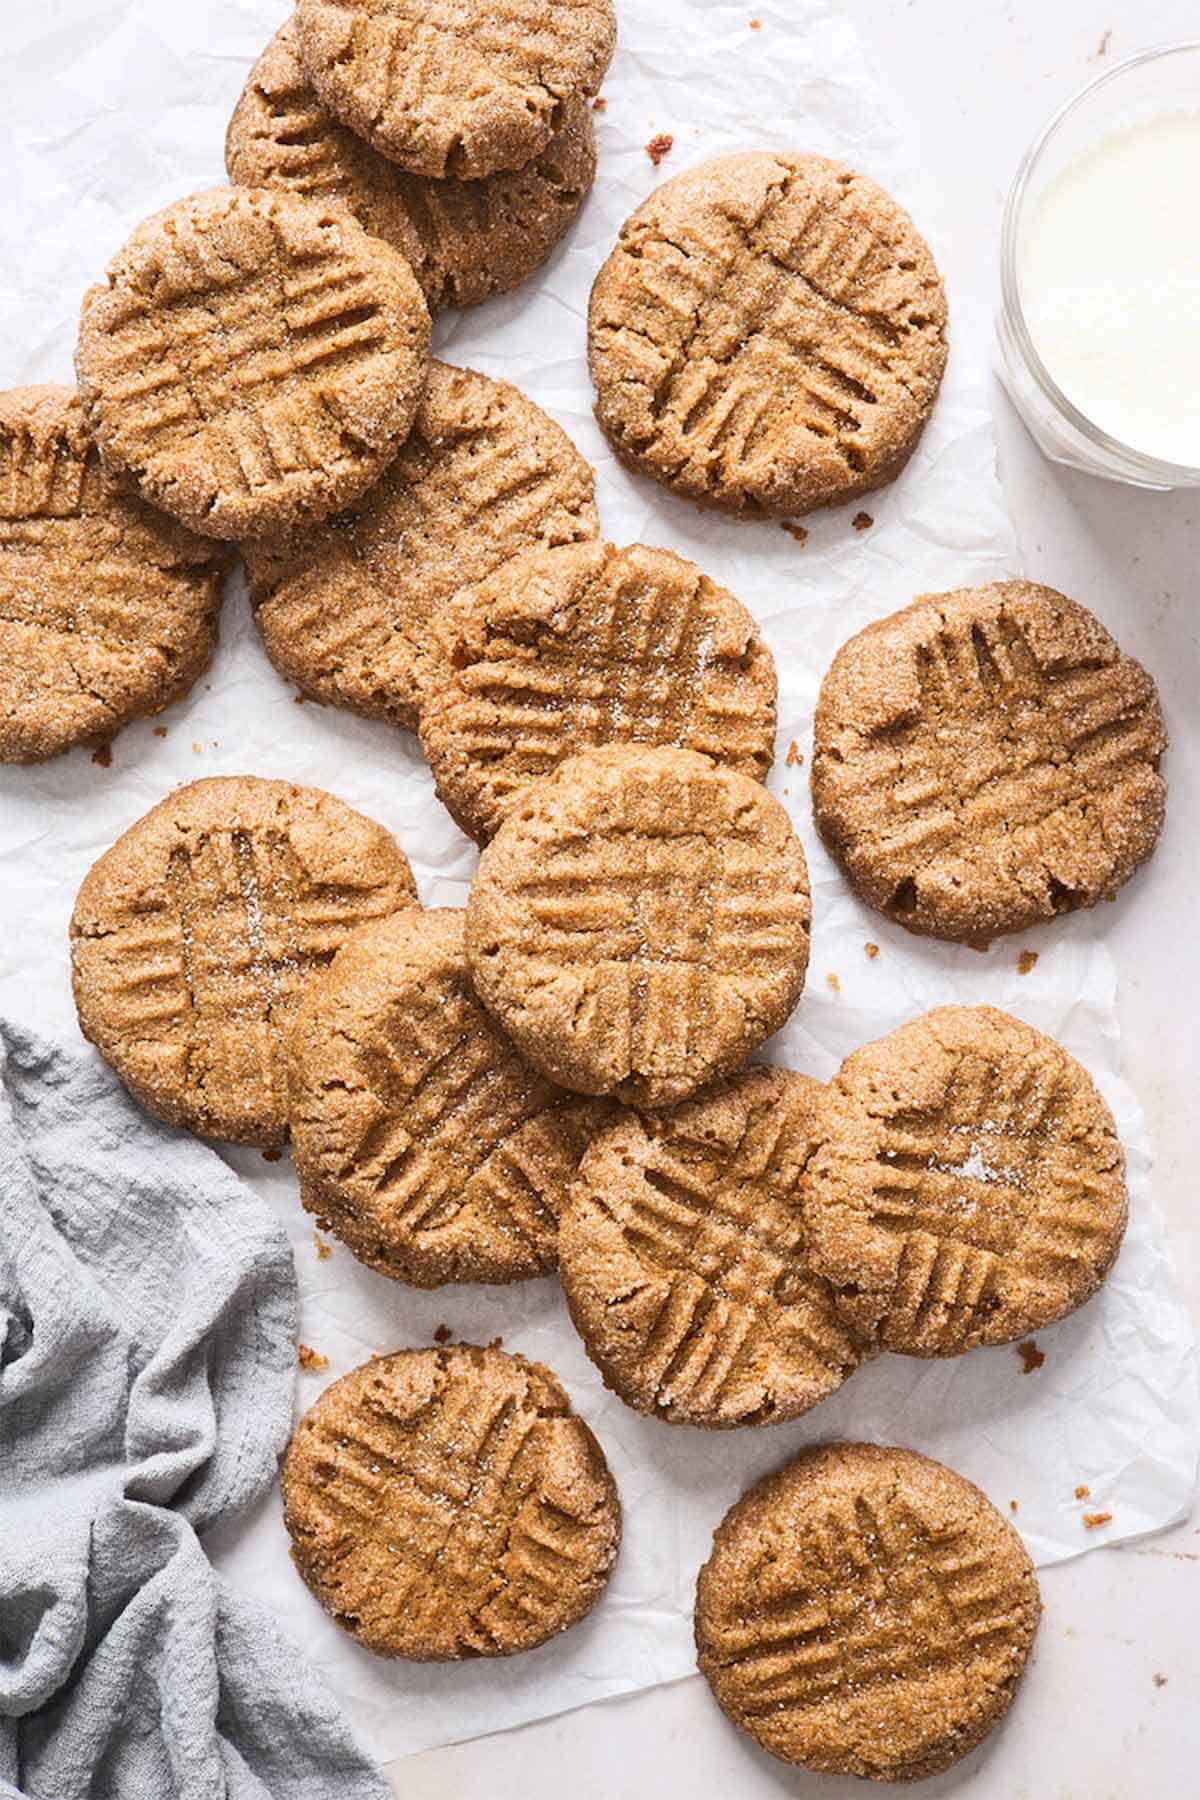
(114, 107)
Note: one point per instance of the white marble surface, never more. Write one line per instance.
(1111, 1708)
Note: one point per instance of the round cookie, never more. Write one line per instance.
(588, 645)
(448, 1503)
(768, 336)
(344, 608)
(970, 1187)
(986, 759)
(866, 1612)
(193, 936)
(255, 359)
(108, 610)
(466, 240)
(420, 1137)
(640, 923)
(682, 1258)
(452, 88)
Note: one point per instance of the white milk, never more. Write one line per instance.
(1109, 273)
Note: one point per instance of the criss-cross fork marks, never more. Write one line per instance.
(999, 744)
(885, 1600)
(721, 1232)
(216, 966)
(446, 1508)
(74, 579)
(467, 1127)
(641, 666)
(241, 356)
(765, 332)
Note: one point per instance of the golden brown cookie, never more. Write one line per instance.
(683, 1262)
(640, 923)
(193, 937)
(867, 1612)
(344, 609)
(970, 1188)
(588, 644)
(450, 87)
(255, 359)
(768, 336)
(420, 1136)
(986, 759)
(466, 240)
(108, 610)
(448, 1503)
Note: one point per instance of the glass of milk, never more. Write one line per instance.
(1099, 328)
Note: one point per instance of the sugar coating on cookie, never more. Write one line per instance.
(448, 1503)
(420, 1136)
(254, 359)
(640, 923)
(450, 87)
(344, 608)
(682, 1257)
(768, 335)
(465, 240)
(588, 644)
(986, 759)
(193, 936)
(866, 1611)
(108, 610)
(970, 1187)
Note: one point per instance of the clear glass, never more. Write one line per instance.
(1158, 81)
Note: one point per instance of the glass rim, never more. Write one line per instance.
(1153, 468)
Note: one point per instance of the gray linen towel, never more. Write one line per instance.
(147, 1354)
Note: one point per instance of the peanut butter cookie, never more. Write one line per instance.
(448, 1503)
(192, 939)
(866, 1612)
(970, 1188)
(768, 336)
(420, 1136)
(108, 610)
(640, 923)
(466, 240)
(683, 1261)
(450, 87)
(255, 359)
(588, 644)
(986, 759)
(344, 608)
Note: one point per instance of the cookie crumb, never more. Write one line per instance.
(660, 146)
(1031, 1357)
(102, 756)
(497, 1343)
(1092, 1521)
(862, 521)
(299, 699)
(1012, 1506)
(599, 104)
(160, 731)
(833, 983)
(795, 755)
(323, 1249)
(1082, 1493)
(799, 532)
(1160, 1680)
(1026, 962)
(872, 951)
(310, 1359)
(442, 1335)
(756, 24)
(196, 749)
(271, 1155)
(1105, 41)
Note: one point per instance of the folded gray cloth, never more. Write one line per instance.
(147, 1354)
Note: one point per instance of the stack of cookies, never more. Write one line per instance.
(557, 1077)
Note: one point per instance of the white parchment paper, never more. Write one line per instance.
(114, 107)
